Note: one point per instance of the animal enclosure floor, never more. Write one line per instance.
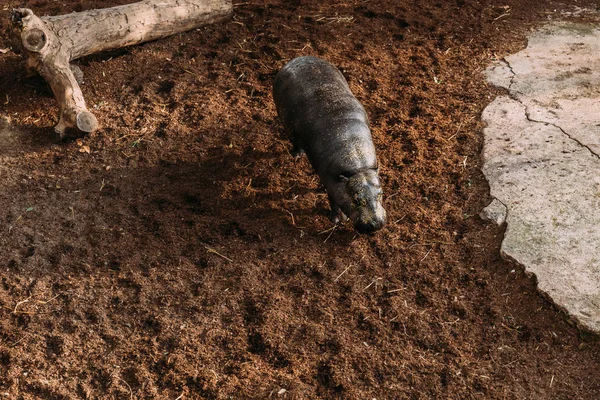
(180, 251)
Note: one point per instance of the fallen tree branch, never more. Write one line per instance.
(51, 43)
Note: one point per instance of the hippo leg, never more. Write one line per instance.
(297, 151)
(336, 215)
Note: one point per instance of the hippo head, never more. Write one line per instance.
(365, 209)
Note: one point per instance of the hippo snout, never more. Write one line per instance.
(371, 224)
(365, 209)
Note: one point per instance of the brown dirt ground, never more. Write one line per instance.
(188, 255)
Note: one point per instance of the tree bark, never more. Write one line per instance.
(50, 43)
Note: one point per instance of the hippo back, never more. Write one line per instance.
(323, 117)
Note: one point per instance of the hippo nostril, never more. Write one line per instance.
(370, 226)
(367, 227)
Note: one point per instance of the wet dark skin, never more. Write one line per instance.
(325, 121)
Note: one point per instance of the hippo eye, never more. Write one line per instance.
(343, 178)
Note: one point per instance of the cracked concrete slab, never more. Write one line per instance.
(541, 158)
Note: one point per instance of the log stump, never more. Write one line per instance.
(51, 43)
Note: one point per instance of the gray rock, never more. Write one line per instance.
(541, 160)
(495, 212)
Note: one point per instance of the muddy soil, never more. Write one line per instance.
(181, 252)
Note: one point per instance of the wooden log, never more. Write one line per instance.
(51, 43)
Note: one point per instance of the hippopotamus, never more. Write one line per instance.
(326, 122)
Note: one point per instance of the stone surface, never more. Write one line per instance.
(541, 158)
